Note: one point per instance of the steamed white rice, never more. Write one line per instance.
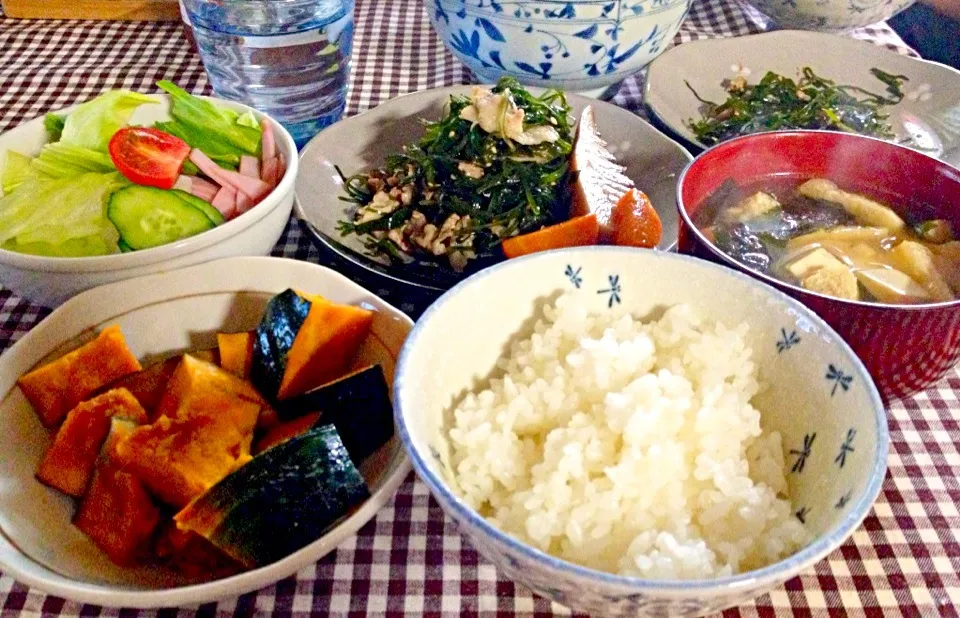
(628, 447)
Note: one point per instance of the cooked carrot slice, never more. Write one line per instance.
(635, 222)
(575, 232)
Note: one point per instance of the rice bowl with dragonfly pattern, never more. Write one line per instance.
(817, 395)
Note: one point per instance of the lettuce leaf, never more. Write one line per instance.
(54, 126)
(60, 216)
(16, 170)
(61, 160)
(92, 124)
(217, 131)
(226, 155)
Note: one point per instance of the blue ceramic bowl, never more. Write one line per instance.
(578, 46)
(819, 397)
(827, 15)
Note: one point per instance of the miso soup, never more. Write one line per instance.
(818, 236)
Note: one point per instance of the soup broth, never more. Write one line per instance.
(814, 234)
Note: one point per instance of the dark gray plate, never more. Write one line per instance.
(362, 142)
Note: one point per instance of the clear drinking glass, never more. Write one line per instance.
(287, 58)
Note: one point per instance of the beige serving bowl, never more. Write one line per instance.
(161, 315)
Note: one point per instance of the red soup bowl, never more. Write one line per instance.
(906, 348)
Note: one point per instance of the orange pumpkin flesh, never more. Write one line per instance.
(236, 352)
(149, 384)
(324, 346)
(116, 512)
(285, 431)
(179, 459)
(56, 388)
(201, 389)
(69, 462)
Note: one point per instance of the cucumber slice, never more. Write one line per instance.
(212, 213)
(148, 217)
(124, 247)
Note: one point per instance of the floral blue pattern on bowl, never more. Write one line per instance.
(827, 15)
(819, 398)
(578, 46)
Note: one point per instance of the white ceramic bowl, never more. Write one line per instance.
(580, 46)
(159, 315)
(827, 15)
(820, 398)
(49, 281)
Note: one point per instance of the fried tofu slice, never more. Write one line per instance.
(867, 211)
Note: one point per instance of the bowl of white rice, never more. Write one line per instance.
(638, 433)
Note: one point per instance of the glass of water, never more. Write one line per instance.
(286, 58)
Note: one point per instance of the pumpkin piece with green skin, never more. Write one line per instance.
(304, 341)
(357, 404)
(281, 501)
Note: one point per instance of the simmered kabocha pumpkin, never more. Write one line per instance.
(149, 384)
(236, 352)
(281, 501)
(56, 388)
(69, 462)
(304, 341)
(117, 513)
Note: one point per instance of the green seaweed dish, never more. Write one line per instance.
(779, 103)
(462, 188)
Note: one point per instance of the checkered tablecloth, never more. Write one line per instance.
(410, 559)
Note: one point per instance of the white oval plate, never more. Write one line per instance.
(161, 315)
(928, 118)
(363, 142)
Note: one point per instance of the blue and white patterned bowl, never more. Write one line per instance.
(827, 15)
(820, 398)
(578, 46)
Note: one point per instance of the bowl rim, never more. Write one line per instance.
(185, 246)
(40, 576)
(694, 229)
(778, 571)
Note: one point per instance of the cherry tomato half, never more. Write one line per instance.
(147, 156)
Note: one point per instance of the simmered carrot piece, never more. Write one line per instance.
(575, 232)
(635, 222)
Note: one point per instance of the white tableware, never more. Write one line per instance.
(49, 281)
(819, 397)
(160, 315)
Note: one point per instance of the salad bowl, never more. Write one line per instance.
(49, 281)
(163, 315)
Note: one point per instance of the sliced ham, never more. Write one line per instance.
(281, 167)
(203, 189)
(184, 183)
(244, 203)
(269, 171)
(268, 149)
(253, 187)
(226, 202)
(250, 166)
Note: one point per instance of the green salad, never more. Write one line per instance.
(491, 168)
(101, 185)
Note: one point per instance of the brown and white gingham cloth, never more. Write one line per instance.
(410, 559)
